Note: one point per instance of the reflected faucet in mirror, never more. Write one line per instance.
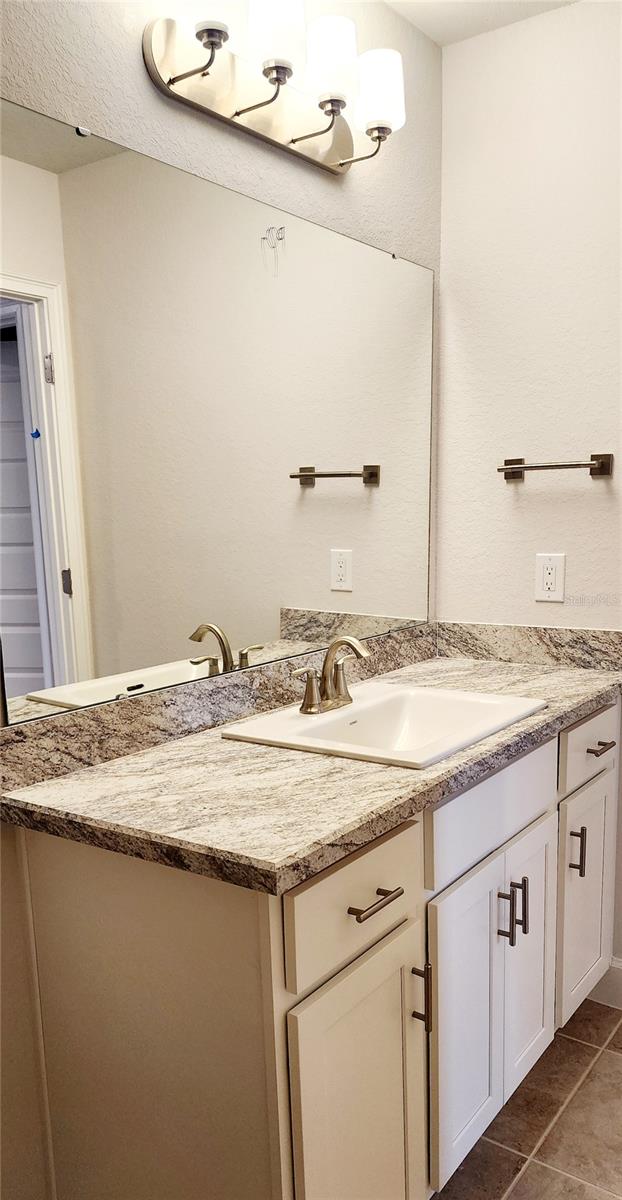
(331, 689)
(226, 653)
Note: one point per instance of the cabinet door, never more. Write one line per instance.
(466, 1044)
(358, 1078)
(529, 1017)
(586, 873)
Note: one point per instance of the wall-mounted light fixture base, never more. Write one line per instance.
(234, 86)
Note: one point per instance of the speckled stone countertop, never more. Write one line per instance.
(267, 818)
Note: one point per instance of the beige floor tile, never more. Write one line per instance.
(592, 1023)
(528, 1113)
(586, 1141)
(485, 1174)
(541, 1183)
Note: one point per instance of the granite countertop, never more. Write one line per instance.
(267, 818)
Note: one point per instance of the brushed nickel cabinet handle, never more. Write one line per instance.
(601, 749)
(523, 888)
(387, 897)
(426, 1015)
(511, 932)
(582, 863)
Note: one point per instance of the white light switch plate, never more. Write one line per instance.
(550, 577)
(341, 570)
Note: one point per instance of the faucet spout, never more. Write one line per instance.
(328, 688)
(223, 642)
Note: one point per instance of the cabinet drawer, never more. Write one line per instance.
(465, 830)
(583, 749)
(321, 936)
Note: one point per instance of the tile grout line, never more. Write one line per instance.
(577, 1179)
(580, 1041)
(502, 1146)
(532, 1157)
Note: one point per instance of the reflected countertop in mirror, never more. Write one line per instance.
(191, 350)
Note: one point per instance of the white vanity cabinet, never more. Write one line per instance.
(492, 952)
(357, 1052)
(587, 849)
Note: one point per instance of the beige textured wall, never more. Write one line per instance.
(91, 73)
(31, 234)
(530, 317)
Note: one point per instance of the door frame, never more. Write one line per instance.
(11, 315)
(57, 467)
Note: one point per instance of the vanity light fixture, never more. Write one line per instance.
(331, 68)
(274, 44)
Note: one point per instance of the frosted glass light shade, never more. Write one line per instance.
(276, 32)
(381, 90)
(332, 72)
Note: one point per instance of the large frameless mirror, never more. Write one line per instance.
(213, 414)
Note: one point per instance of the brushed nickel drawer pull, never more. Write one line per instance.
(426, 1015)
(523, 888)
(363, 914)
(511, 932)
(602, 748)
(581, 865)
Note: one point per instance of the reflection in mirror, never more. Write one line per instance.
(192, 403)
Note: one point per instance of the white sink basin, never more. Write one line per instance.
(130, 683)
(391, 723)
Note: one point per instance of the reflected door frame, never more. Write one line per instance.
(53, 413)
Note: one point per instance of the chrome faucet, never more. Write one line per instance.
(223, 642)
(331, 689)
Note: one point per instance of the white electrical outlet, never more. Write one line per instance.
(341, 570)
(550, 577)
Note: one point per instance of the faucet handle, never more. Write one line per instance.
(243, 656)
(213, 664)
(311, 701)
(340, 681)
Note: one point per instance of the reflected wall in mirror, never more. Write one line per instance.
(172, 353)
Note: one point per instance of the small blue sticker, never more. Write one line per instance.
(35, 433)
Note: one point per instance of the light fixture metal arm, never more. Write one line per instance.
(345, 162)
(262, 104)
(317, 133)
(195, 71)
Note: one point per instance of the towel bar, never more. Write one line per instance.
(599, 465)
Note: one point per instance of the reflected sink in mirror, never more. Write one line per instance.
(391, 723)
(115, 687)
